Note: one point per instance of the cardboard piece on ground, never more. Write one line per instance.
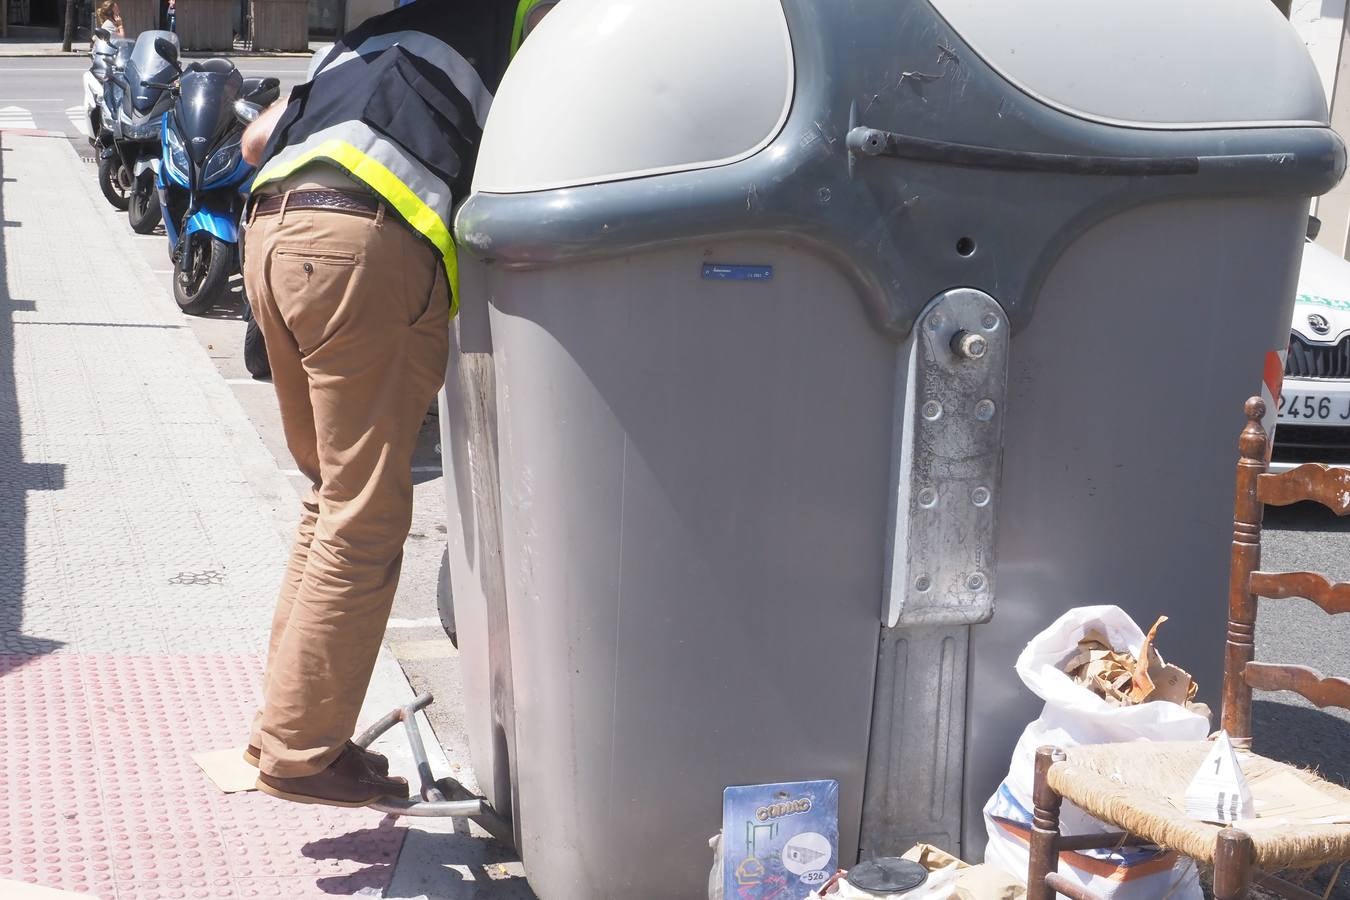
(988, 882)
(1283, 799)
(981, 882)
(21, 890)
(227, 769)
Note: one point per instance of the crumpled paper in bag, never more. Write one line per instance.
(1122, 679)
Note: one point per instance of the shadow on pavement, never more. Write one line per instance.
(457, 867)
(231, 305)
(1305, 517)
(1312, 739)
(17, 477)
(449, 866)
(361, 846)
(1304, 737)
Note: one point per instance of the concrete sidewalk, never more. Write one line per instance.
(139, 556)
(42, 48)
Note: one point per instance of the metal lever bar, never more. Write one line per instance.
(434, 802)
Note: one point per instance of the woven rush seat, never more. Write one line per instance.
(1131, 787)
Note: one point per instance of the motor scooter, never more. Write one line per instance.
(102, 99)
(200, 174)
(146, 87)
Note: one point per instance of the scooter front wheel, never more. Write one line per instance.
(201, 272)
(143, 206)
(114, 181)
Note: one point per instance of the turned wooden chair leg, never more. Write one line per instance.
(1232, 865)
(1044, 858)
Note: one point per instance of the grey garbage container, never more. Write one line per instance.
(814, 356)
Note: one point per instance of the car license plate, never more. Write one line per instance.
(1314, 409)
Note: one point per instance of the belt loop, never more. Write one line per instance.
(379, 214)
(285, 198)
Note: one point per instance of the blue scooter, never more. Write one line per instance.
(201, 175)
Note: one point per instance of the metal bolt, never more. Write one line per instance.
(932, 410)
(984, 410)
(927, 498)
(989, 321)
(975, 581)
(923, 583)
(980, 496)
(823, 196)
(971, 346)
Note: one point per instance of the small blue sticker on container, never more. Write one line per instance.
(779, 841)
(727, 272)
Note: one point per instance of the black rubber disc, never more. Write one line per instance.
(887, 875)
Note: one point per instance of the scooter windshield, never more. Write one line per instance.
(123, 58)
(147, 65)
(206, 108)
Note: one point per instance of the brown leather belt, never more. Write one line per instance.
(338, 201)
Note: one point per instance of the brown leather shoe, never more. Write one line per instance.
(348, 781)
(378, 761)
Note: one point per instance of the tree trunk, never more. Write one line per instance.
(70, 26)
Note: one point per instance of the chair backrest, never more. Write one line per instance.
(1257, 487)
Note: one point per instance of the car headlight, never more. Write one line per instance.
(178, 157)
(221, 163)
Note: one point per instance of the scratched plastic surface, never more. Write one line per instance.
(100, 794)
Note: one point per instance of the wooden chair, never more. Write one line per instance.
(1127, 785)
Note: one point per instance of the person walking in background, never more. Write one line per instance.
(173, 16)
(110, 17)
(349, 264)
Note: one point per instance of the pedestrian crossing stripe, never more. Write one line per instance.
(79, 119)
(16, 117)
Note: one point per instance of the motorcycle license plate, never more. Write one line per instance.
(1312, 409)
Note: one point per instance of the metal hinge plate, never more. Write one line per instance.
(950, 406)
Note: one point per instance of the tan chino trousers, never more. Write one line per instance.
(354, 312)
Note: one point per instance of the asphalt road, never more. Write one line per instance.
(46, 94)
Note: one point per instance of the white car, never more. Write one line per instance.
(1314, 415)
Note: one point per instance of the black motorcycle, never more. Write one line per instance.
(146, 97)
(201, 174)
(103, 99)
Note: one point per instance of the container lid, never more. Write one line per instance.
(887, 875)
(1149, 63)
(605, 90)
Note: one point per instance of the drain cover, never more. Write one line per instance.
(887, 875)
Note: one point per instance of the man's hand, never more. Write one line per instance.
(259, 131)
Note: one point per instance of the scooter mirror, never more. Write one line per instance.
(168, 51)
(103, 34)
(246, 112)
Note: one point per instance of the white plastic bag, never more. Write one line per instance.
(715, 878)
(1074, 715)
